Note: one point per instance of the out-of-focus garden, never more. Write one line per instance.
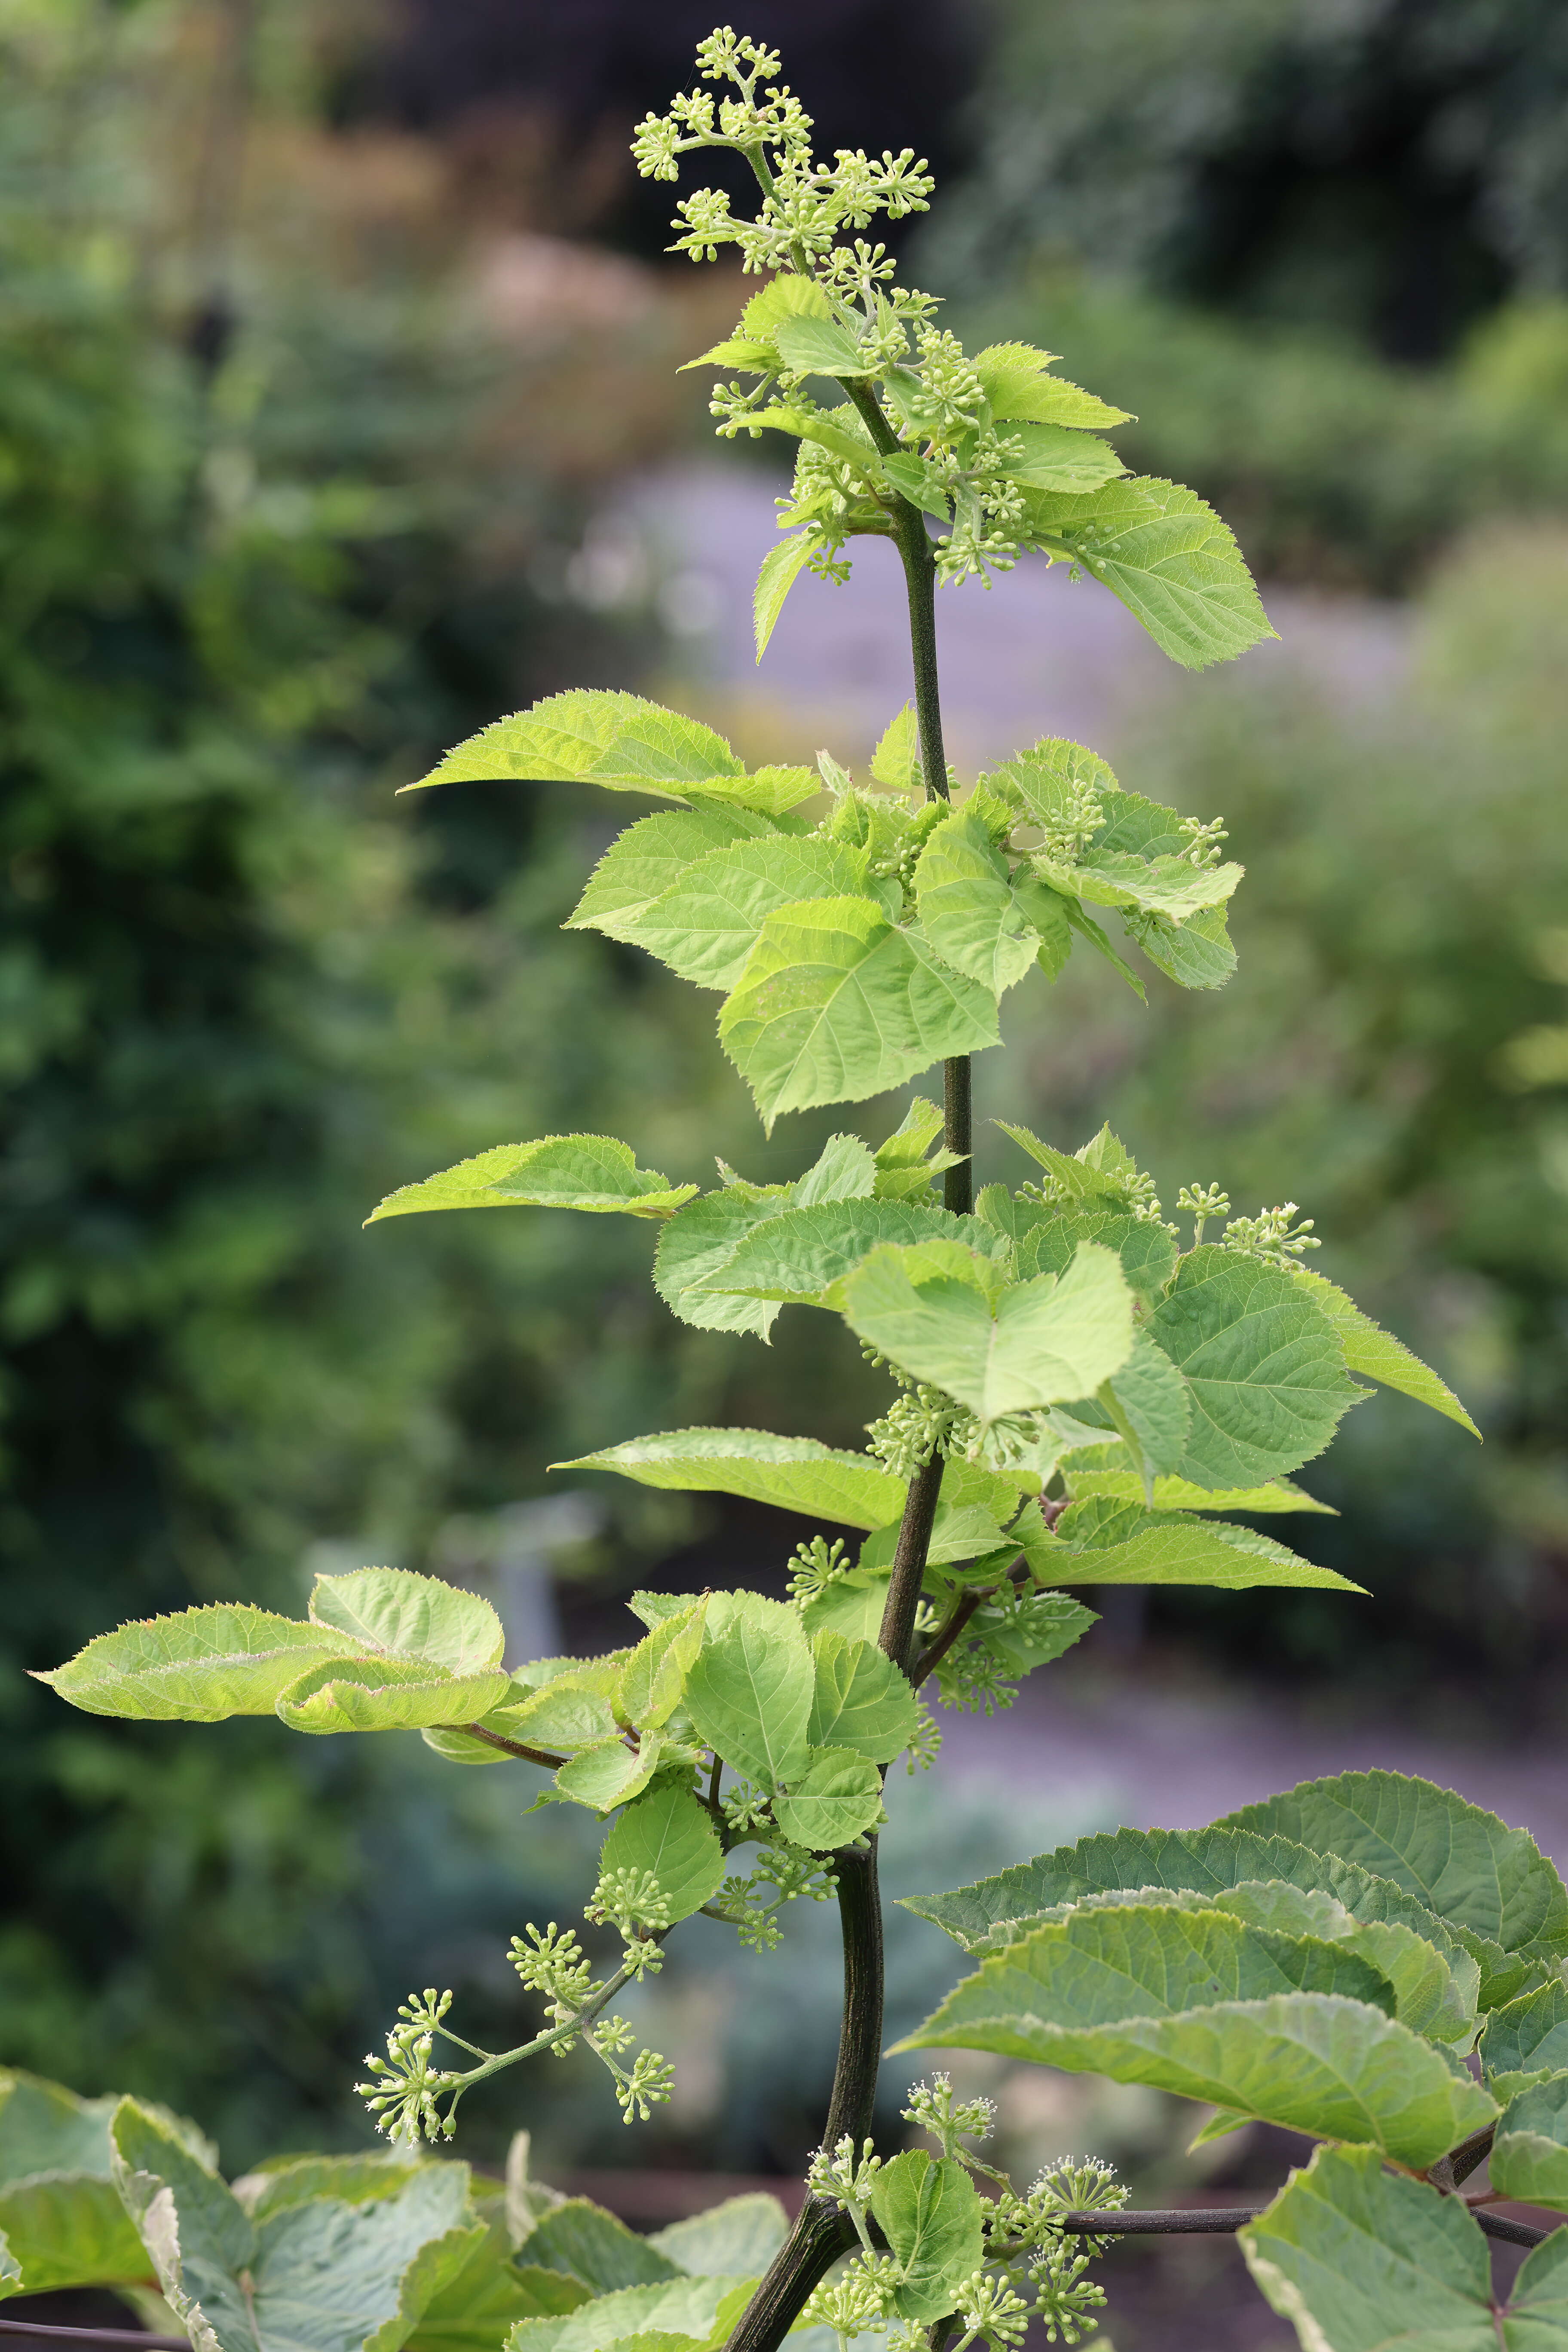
(338, 414)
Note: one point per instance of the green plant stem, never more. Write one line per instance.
(508, 1747)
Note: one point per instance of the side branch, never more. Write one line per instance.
(1201, 2220)
(910, 1562)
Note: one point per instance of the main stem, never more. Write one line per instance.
(822, 2232)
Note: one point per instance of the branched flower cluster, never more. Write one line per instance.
(814, 1566)
(745, 1806)
(403, 2086)
(1272, 1235)
(933, 2108)
(630, 1901)
(1203, 1201)
(790, 1872)
(923, 1421)
(925, 1746)
(1204, 840)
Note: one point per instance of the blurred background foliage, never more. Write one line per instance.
(330, 334)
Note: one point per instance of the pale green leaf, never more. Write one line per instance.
(1169, 558)
(738, 2238)
(387, 1694)
(1171, 887)
(594, 1173)
(903, 1169)
(548, 2293)
(394, 1611)
(283, 2180)
(609, 1773)
(1030, 1629)
(841, 432)
(787, 296)
(1179, 1495)
(707, 923)
(1433, 1995)
(1147, 1401)
(668, 1833)
(750, 1693)
(961, 1531)
(198, 1666)
(1088, 928)
(699, 1241)
(1049, 781)
(736, 351)
(596, 2247)
(781, 567)
(1048, 1339)
(695, 2307)
(1096, 1188)
(473, 2310)
(915, 478)
(835, 1003)
(896, 761)
(1196, 953)
(1462, 1861)
(592, 735)
(1529, 2035)
(833, 1797)
(1144, 1246)
(654, 1677)
(803, 1254)
(929, 2213)
(65, 2230)
(1377, 1355)
(1017, 387)
(798, 1473)
(1262, 1362)
(967, 906)
(862, 1701)
(1060, 456)
(1530, 2156)
(812, 346)
(573, 1710)
(852, 1605)
(1176, 1551)
(642, 862)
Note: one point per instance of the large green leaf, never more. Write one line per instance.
(1528, 2035)
(935, 1311)
(322, 2275)
(386, 1694)
(931, 2215)
(1179, 1495)
(707, 923)
(1169, 558)
(1018, 387)
(642, 862)
(812, 346)
(837, 1004)
(800, 1255)
(860, 1700)
(198, 1666)
(596, 737)
(594, 1173)
(1172, 886)
(750, 1694)
(798, 1473)
(1146, 1398)
(67, 2229)
(738, 2238)
(1061, 457)
(699, 1242)
(595, 2246)
(704, 2309)
(1262, 1361)
(780, 568)
(1377, 1355)
(1529, 2155)
(1196, 953)
(653, 1679)
(668, 1833)
(833, 1797)
(968, 908)
(393, 1611)
(1464, 1862)
(1178, 1550)
(473, 2310)
(1144, 1246)
(1435, 1994)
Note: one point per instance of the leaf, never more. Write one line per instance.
(593, 736)
(1052, 777)
(1031, 1631)
(851, 1605)
(835, 1003)
(739, 2237)
(841, 432)
(781, 567)
(1058, 456)
(736, 351)
(967, 907)
(896, 761)
(1377, 1355)
(1082, 1180)
(1168, 557)
(668, 1833)
(699, 1241)
(392, 1611)
(1433, 1995)
(1177, 1495)
(608, 1773)
(571, 1711)
(903, 1171)
(931, 2215)
(693, 2308)
(387, 1695)
(706, 925)
(322, 2277)
(1017, 387)
(813, 346)
(918, 481)
(654, 1677)
(200, 1666)
(1529, 2035)
(860, 1700)
(547, 2293)
(750, 1693)
(1359, 2260)
(472, 2312)
(801, 1255)
(833, 1797)
(60, 2213)
(961, 1531)
(1052, 1337)
(594, 1173)
(1146, 1246)
(1529, 2155)
(1147, 1400)
(596, 2247)
(1088, 928)
(1184, 1551)
(1196, 953)
(1171, 887)
(1262, 1362)
(797, 1474)
(786, 296)
(642, 862)
(1462, 1861)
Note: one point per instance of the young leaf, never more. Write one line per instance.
(597, 737)
(833, 1796)
(707, 923)
(384, 1694)
(1018, 388)
(1176, 1550)
(810, 346)
(802, 1254)
(1168, 557)
(392, 1611)
(199, 1667)
(696, 1245)
(1060, 456)
(1088, 928)
(1377, 1355)
(739, 2238)
(1462, 1861)
(798, 1473)
(1042, 1341)
(1177, 1495)
(1146, 1246)
(474, 2309)
(661, 2318)
(1530, 2156)
(1196, 953)
(1051, 779)
(736, 351)
(896, 761)
(835, 1003)
(581, 2238)
(609, 1773)
(930, 2214)
(1147, 1401)
(645, 860)
(594, 1173)
(1169, 886)
(654, 1677)
(573, 1710)
(1262, 1362)
(780, 568)
(840, 432)
(667, 1832)
(787, 296)
(1529, 2035)
(750, 1691)
(860, 1700)
(968, 905)
(917, 479)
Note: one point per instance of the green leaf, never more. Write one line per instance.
(645, 860)
(736, 351)
(1061, 457)
(1530, 2156)
(1168, 557)
(1359, 2260)
(967, 906)
(592, 2245)
(387, 1695)
(395, 1613)
(593, 736)
(896, 761)
(1178, 1551)
(548, 2293)
(1537, 2317)
(60, 2213)
(781, 567)
(1030, 1631)
(707, 923)
(929, 2213)
(833, 1797)
(961, 1531)
(1147, 1400)
(835, 1003)
(841, 432)
(691, 2308)
(571, 1711)
(1172, 886)
(594, 1173)
(1146, 1246)
(1094, 1186)
(1049, 779)
(801, 1255)
(472, 2312)
(750, 1693)
(738, 2238)
(1377, 1355)
(1052, 1337)
(1528, 2036)
(609, 1773)
(654, 1677)
(818, 347)
(1017, 387)
(326, 2275)
(1433, 1995)
(200, 1666)
(1463, 1863)
(915, 478)
(798, 1473)
(668, 1833)
(1178, 1495)
(860, 1700)
(903, 1171)
(1088, 928)
(787, 296)
(699, 1241)
(1196, 953)
(1262, 1362)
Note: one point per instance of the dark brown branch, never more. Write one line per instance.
(898, 1626)
(508, 1747)
(943, 1640)
(132, 2338)
(1195, 2220)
